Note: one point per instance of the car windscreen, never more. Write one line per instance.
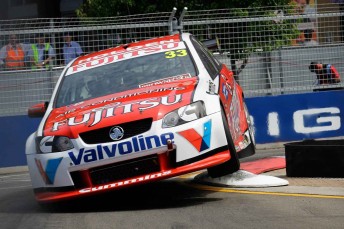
(123, 75)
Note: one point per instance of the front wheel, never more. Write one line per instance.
(233, 164)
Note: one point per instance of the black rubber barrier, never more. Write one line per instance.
(315, 158)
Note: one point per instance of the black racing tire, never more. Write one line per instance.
(248, 151)
(231, 165)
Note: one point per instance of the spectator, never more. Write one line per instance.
(12, 55)
(41, 54)
(308, 33)
(326, 74)
(71, 49)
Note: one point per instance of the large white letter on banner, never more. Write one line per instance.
(332, 121)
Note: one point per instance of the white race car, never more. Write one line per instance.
(138, 113)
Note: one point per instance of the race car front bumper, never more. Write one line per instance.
(89, 182)
(94, 168)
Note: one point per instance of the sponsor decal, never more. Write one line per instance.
(225, 91)
(139, 93)
(175, 53)
(198, 141)
(226, 87)
(116, 133)
(125, 182)
(165, 80)
(48, 174)
(46, 144)
(135, 144)
(130, 52)
(110, 110)
(234, 115)
(211, 88)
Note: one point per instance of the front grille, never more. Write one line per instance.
(123, 170)
(130, 129)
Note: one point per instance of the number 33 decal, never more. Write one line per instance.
(173, 54)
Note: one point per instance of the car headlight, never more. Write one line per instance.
(184, 114)
(53, 144)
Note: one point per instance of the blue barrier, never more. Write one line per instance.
(14, 131)
(295, 117)
(280, 118)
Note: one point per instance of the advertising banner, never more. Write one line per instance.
(297, 117)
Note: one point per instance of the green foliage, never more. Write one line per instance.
(108, 8)
(261, 35)
(104, 8)
(240, 39)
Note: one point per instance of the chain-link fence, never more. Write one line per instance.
(269, 49)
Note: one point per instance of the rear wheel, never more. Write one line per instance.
(233, 164)
(250, 125)
(251, 148)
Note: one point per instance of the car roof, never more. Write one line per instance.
(120, 48)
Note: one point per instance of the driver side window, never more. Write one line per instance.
(208, 61)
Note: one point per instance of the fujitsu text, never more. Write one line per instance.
(110, 110)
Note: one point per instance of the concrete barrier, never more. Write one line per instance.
(322, 158)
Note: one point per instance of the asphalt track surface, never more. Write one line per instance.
(180, 203)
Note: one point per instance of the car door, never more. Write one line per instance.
(228, 99)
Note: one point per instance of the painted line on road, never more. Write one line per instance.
(16, 187)
(9, 181)
(14, 175)
(218, 189)
(187, 177)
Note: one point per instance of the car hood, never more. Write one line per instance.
(149, 102)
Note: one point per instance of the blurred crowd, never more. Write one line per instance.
(40, 54)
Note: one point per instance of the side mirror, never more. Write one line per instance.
(212, 44)
(38, 110)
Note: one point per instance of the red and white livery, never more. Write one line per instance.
(138, 113)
